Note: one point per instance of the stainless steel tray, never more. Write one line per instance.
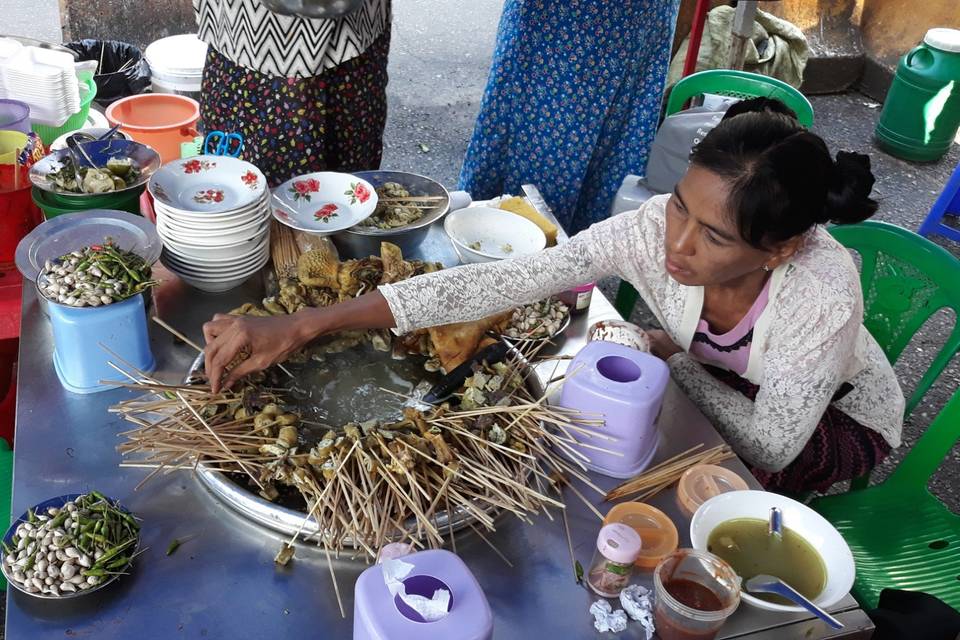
(288, 521)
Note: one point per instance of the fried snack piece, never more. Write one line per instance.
(456, 343)
(319, 268)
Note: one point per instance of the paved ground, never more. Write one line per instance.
(38, 19)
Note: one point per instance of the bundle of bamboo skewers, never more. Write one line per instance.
(364, 488)
(659, 477)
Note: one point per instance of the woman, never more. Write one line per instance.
(762, 309)
(305, 94)
(572, 102)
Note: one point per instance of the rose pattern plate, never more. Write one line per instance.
(324, 202)
(208, 184)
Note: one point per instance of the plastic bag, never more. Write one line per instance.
(121, 68)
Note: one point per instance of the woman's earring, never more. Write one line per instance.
(765, 268)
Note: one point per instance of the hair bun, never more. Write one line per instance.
(848, 197)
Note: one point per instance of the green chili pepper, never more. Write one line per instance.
(6, 547)
(172, 548)
(112, 553)
(94, 571)
(578, 571)
(31, 517)
(119, 563)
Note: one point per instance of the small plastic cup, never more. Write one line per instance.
(14, 116)
(695, 594)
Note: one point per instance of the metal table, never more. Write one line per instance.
(223, 582)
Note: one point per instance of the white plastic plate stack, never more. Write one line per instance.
(213, 216)
(44, 79)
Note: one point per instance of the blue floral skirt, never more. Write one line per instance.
(572, 102)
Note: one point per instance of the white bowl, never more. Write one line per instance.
(212, 274)
(229, 218)
(806, 522)
(195, 229)
(218, 256)
(219, 283)
(493, 229)
(202, 267)
(253, 231)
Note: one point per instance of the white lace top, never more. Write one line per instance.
(807, 342)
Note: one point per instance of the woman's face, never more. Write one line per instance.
(703, 245)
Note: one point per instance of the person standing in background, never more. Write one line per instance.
(572, 102)
(306, 94)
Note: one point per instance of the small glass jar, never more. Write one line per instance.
(578, 298)
(617, 549)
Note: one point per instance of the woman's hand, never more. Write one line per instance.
(260, 342)
(662, 345)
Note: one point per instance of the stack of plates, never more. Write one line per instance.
(176, 63)
(213, 215)
(44, 79)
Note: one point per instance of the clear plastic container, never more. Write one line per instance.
(617, 548)
(578, 298)
(695, 594)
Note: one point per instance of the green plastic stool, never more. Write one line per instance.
(6, 491)
(901, 536)
(734, 84)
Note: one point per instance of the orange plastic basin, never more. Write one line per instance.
(160, 120)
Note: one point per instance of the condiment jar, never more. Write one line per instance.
(578, 298)
(658, 534)
(695, 594)
(704, 481)
(617, 548)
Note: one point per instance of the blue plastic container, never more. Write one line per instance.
(78, 333)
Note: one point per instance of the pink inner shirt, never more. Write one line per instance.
(730, 350)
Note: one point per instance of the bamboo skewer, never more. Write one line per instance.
(663, 475)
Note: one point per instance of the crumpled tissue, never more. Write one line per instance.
(635, 600)
(431, 609)
(606, 619)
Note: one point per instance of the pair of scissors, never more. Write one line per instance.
(218, 143)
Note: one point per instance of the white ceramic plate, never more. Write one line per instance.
(225, 218)
(207, 184)
(324, 202)
(500, 234)
(809, 524)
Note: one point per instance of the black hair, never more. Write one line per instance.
(783, 180)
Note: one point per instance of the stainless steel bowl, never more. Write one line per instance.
(314, 8)
(41, 508)
(360, 242)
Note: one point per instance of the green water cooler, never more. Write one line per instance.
(921, 114)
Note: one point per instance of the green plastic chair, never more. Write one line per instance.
(734, 84)
(905, 279)
(901, 536)
(6, 492)
(739, 84)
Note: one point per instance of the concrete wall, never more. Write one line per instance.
(138, 22)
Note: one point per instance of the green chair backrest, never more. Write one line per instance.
(905, 279)
(739, 84)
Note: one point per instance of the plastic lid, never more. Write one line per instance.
(700, 483)
(943, 39)
(619, 543)
(656, 530)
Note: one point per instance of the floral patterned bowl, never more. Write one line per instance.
(207, 184)
(324, 202)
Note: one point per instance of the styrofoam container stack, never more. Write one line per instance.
(213, 216)
(176, 64)
(44, 79)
